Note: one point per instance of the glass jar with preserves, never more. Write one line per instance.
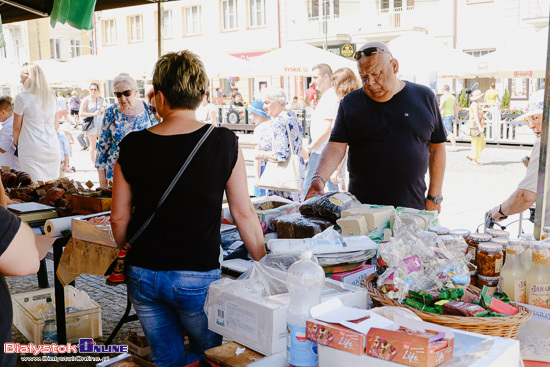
(504, 243)
(497, 233)
(473, 240)
(455, 244)
(490, 282)
(545, 233)
(473, 277)
(439, 230)
(489, 259)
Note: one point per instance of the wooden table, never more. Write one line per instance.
(225, 356)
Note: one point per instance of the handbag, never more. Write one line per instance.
(88, 123)
(282, 176)
(116, 271)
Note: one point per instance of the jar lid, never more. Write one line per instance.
(426, 234)
(497, 233)
(480, 237)
(526, 237)
(488, 279)
(461, 232)
(447, 238)
(540, 247)
(501, 241)
(489, 247)
(473, 272)
(439, 230)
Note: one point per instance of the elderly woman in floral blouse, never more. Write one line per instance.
(127, 115)
(275, 141)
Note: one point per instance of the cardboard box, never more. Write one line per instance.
(260, 323)
(354, 277)
(410, 350)
(136, 349)
(93, 232)
(336, 336)
(470, 350)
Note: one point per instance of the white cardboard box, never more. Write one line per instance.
(260, 323)
(492, 352)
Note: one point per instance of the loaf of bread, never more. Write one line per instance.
(297, 226)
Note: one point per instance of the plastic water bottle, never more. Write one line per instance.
(49, 332)
(305, 280)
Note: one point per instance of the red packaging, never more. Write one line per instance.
(336, 336)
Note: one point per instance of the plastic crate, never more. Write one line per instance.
(27, 315)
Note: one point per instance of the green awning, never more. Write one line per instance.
(78, 13)
(2, 40)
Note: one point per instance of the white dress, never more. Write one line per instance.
(38, 146)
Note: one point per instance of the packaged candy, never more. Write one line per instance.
(459, 308)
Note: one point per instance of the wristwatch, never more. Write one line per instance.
(436, 199)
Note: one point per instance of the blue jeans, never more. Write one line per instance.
(312, 164)
(448, 123)
(169, 303)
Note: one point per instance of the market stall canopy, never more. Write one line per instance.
(297, 59)
(14, 10)
(528, 61)
(220, 64)
(418, 52)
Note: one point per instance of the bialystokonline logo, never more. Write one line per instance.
(84, 346)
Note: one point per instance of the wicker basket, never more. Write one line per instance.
(495, 326)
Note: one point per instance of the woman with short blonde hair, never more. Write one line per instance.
(168, 279)
(35, 124)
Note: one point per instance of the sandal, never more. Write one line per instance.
(477, 163)
(469, 158)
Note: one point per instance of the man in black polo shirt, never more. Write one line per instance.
(395, 134)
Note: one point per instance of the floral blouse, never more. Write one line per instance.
(275, 139)
(116, 126)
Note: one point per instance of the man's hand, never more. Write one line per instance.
(430, 205)
(495, 214)
(317, 188)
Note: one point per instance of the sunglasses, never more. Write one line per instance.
(369, 51)
(126, 93)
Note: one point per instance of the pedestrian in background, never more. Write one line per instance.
(475, 120)
(7, 148)
(74, 107)
(448, 108)
(262, 137)
(92, 106)
(63, 111)
(35, 126)
(491, 95)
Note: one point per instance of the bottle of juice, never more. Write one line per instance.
(538, 277)
(527, 255)
(514, 273)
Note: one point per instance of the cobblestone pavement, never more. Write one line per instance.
(469, 192)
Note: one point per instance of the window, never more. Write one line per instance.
(3, 54)
(193, 20)
(229, 12)
(257, 13)
(76, 50)
(478, 53)
(109, 32)
(317, 9)
(167, 19)
(136, 28)
(396, 5)
(55, 48)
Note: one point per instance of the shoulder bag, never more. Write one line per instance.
(116, 272)
(282, 176)
(89, 122)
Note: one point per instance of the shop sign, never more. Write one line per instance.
(290, 69)
(345, 50)
(521, 73)
(248, 55)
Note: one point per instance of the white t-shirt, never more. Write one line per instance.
(62, 101)
(529, 183)
(6, 143)
(202, 113)
(326, 109)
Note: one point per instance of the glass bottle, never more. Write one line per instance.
(527, 255)
(538, 277)
(514, 273)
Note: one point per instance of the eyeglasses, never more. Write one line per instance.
(126, 93)
(369, 51)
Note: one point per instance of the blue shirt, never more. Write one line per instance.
(63, 145)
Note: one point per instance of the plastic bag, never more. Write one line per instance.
(331, 207)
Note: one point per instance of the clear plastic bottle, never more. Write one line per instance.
(514, 273)
(49, 332)
(305, 280)
(538, 277)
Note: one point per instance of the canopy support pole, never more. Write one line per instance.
(542, 181)
(160, 23)
(24, 7)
